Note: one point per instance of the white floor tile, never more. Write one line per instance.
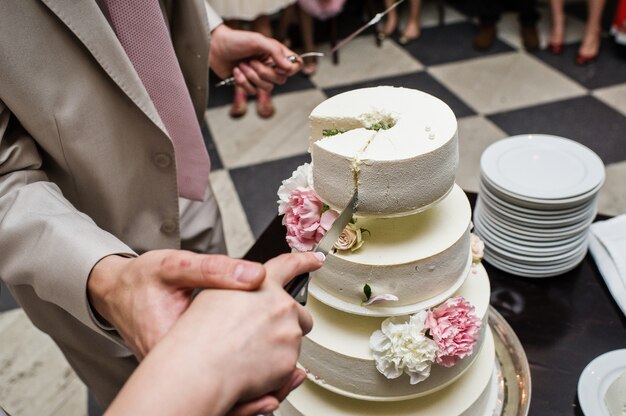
(505, 82)
(362, 60)
(614, 96)
(476, 133)
(251, 139)
(35, 379)
(612, 198)
(239, 237)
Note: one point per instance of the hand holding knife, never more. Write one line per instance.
(343, 42)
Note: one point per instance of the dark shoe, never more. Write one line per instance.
(530, 37)
(556, 48)
(485, 37)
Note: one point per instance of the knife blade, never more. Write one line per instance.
(298, 288)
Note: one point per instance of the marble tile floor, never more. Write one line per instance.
(503, 92)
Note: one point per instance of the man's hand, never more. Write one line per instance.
(143, 297)
(243, 55)
(228, 347)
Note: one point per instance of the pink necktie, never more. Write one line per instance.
(141, 29)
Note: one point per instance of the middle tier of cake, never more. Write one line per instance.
(422, 259)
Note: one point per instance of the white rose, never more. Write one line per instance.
(402, 347)
(478, 248)
(301, 177)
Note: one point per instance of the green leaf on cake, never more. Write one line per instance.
(367, 290)
(331, 132)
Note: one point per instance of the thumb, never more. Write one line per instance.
(191, 270)
(279, 53)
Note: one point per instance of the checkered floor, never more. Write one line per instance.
(502, 92)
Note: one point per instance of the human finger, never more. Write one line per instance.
(284, 268)
(192, 270)
(242, 81)
(275, 76)
(254, 77)
(304, 319)
(262, 406)
(297, 378)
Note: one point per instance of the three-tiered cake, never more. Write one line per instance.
(400, 306)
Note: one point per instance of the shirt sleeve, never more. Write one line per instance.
(214, 19)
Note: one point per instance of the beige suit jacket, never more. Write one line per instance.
(86, 166)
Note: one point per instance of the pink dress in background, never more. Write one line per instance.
(322, 9)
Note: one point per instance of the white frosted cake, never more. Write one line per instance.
(399, 145)
(615, 398)
(400, 306)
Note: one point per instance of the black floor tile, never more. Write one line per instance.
(418, 80)
(6, 300)
(584, 119)
(214, 156)
(609, 69)
(440, 45)
(257, 186)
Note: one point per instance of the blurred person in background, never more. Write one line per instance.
(304, 11)
(489, 13)
(590, 45)
(412, 29)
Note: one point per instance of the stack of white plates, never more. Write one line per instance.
(537, 198)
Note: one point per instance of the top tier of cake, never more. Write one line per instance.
(398, 146)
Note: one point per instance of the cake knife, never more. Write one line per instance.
(298, 288)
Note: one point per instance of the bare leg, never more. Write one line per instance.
(412, 30)
(264, 106)
(240, 98)
(391, 22)
(286, 19)
(591, 41)
(306, 30)
(558, 22)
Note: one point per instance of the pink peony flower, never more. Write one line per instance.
(306, 225)
(454, 327)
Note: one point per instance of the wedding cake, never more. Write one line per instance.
(400, 305)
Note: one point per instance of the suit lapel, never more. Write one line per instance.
(85, 19)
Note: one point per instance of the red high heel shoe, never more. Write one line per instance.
(556, 47)
(583, 60)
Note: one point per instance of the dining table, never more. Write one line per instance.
(562, 322)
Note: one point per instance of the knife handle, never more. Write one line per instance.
(298, 288)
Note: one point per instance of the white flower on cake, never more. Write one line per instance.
(302, 177)
(478, 248)
(403, 347)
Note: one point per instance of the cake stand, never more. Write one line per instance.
(512, 369)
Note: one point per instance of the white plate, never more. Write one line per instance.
(535, 232)
(492, 240)
(542, 167)
(543, 211)
(544, 222)
(528, 242)
(536, 262)
(532, 272)
(596, 379)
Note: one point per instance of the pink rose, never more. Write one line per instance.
(306, 225)
(454, 327)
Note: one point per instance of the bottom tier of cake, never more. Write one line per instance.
(471, 395)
